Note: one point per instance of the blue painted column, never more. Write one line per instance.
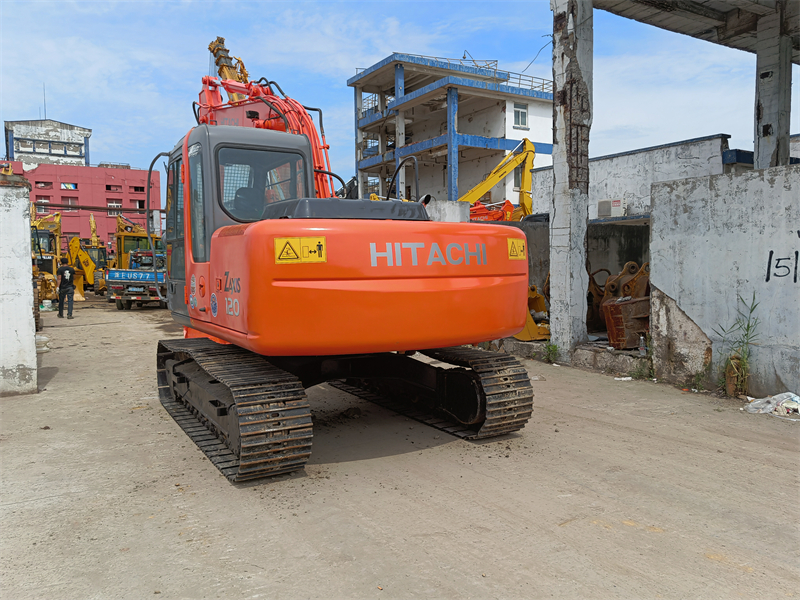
(86, 151)
(10, 145)
(452, 144)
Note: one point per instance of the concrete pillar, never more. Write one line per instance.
(17, 330)
(381, 131)
(382, 183)
(452, 144)
(359, 104)
(572, 120)
(399, 142)
(773, 91)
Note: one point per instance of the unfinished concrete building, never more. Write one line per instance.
(714, 236)
(458, 118)
(47, 142)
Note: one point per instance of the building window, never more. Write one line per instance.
(139, 204)
(521, 115)
(42, 210)
(44, 185)
(72, 201)
(69, 186)
(113, 188)
(137, 188)
(114, 204)
(518, 177)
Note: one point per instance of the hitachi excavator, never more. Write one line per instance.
(280, 286)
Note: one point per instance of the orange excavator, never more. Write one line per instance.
(280, 286)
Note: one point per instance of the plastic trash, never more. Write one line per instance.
(784, 403)
(623, 378)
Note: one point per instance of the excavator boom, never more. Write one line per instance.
(523, 156)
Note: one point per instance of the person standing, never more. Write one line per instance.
(65, 282)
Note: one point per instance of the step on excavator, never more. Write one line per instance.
(280, 285)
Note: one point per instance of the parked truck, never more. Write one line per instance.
(138, 282)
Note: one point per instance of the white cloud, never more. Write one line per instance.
(682, 90)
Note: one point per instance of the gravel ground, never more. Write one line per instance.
(613, 490)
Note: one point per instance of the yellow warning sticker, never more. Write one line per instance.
(300, 250)
(516, 250)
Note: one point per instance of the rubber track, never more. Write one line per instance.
(274, 415)
(509, 394)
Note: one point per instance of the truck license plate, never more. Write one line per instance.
(136, 289)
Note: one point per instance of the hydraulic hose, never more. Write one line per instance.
(147, 223)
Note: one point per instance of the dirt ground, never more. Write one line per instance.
(613, 490)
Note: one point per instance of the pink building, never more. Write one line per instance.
(101, 191)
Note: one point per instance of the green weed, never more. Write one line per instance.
(735, 348)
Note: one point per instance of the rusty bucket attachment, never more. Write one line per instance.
(626, 321)
(626, 306)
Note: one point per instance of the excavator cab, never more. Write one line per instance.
(233, 174)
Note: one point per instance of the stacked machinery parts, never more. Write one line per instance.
(626, 305)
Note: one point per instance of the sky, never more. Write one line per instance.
(131, 70)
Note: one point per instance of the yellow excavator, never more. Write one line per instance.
(522, 156)
(84, 267)
(45, 252)
(131, 236)
(96, 249)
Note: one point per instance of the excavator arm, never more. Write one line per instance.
(127, 226)
(227, 68)
(255, 104)
(93, 227)
(524, 156)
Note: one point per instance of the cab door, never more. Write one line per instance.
(174, 240)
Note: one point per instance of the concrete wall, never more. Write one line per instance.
(18, 373)
(713, 238)
(629, 175)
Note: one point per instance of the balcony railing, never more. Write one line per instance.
(526, 82)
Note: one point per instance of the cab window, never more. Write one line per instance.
(197, 204)
(250, 179)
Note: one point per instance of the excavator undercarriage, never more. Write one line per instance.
(250, 414)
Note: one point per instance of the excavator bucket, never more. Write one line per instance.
(534, 331)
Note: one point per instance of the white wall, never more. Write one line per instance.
(18, 374)
(629, 176)
(711, 240)
(540, 129)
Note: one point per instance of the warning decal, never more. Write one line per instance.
(300, 250)
(288, 252)
(516, 250)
